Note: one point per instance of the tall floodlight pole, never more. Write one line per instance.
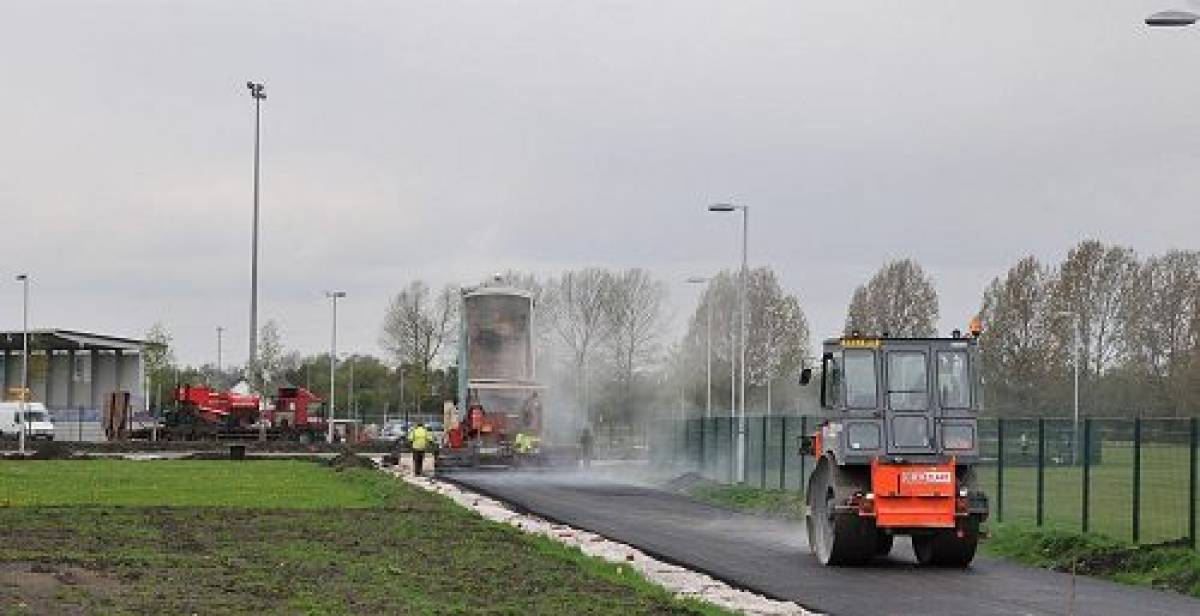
(333, 298)
(220, 333)
(740, 464)
(256, 92)
(24, 280)
(708, 348)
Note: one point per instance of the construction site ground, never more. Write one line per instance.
(279, 537)
(771, 556)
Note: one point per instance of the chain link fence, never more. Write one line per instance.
(1130, 479)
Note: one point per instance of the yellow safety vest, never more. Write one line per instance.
(419, 438)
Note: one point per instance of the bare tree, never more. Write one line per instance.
(633, 308)
(899, 300)
(574, 309)
(1161, 327)
(778, 337)
(418, 325)
(269, 368)
(1016, 348)
(1093, 283)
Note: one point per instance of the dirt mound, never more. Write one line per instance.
(349, 459)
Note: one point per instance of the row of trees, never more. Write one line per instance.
(603, 352)
(1137, 324)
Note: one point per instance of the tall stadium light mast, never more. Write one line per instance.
(740, 462)
(256, 92)
(333, 296)
(708, 348)
(24, 280)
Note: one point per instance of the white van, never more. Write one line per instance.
(37, 421)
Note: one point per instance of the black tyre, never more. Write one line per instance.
(945, 548)
(883, 543)
(836, 538)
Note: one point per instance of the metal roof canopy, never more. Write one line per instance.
(70, 340)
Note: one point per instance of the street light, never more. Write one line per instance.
(220, 332)
(24, 280)
(740, 462)
(1172, 19)
(708, 350)
(1075, 326)
(333, 296)
(256, 92)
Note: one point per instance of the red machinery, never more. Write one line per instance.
(202, 412)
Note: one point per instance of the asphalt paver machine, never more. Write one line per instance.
(896, 454)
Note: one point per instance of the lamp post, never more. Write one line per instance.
(256, 92)
(333, 296)
(24, 280)
(1075, 326)
(708, 348)
(740, 463)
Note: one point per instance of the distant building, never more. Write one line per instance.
(74, 370)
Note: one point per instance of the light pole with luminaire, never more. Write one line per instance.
(1172, 19)
(740, 461)
(1075, 325)
(256, 92)
(24, 280)
(708, 348)
(333, 296)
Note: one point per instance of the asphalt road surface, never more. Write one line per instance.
(772, 558)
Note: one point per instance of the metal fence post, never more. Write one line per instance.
(782, 452)
(999, 470)
(1137, 479)
(79, 425)
(762, 454)
(803, 433)
(1041, 469)
(1195, 439)
(1087, 473)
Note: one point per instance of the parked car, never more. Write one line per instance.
(394, 431)
(38, 424)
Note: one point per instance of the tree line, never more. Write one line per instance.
(604, 351)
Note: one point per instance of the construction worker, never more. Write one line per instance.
(585, 447)
(419, 440)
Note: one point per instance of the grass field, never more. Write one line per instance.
(279, 537)
(1164, 494)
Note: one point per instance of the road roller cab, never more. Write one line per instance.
(896, 453)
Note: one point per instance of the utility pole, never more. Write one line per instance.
(24, 280)
(256, 92)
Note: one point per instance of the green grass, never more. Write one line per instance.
(181, 483)
(285, 538)
(1164, 494)
(1171, 567)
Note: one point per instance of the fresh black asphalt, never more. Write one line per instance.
(771, 557)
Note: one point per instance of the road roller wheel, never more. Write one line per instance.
(836, 539)
(945, 548)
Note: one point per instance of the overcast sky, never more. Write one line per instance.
(445, 140)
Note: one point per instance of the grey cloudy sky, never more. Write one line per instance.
(445, 140)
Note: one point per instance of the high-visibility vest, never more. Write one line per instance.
(419, 438)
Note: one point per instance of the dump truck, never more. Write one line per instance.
(499, 417)
(896, 454)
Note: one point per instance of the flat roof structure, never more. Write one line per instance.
(73, 369)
